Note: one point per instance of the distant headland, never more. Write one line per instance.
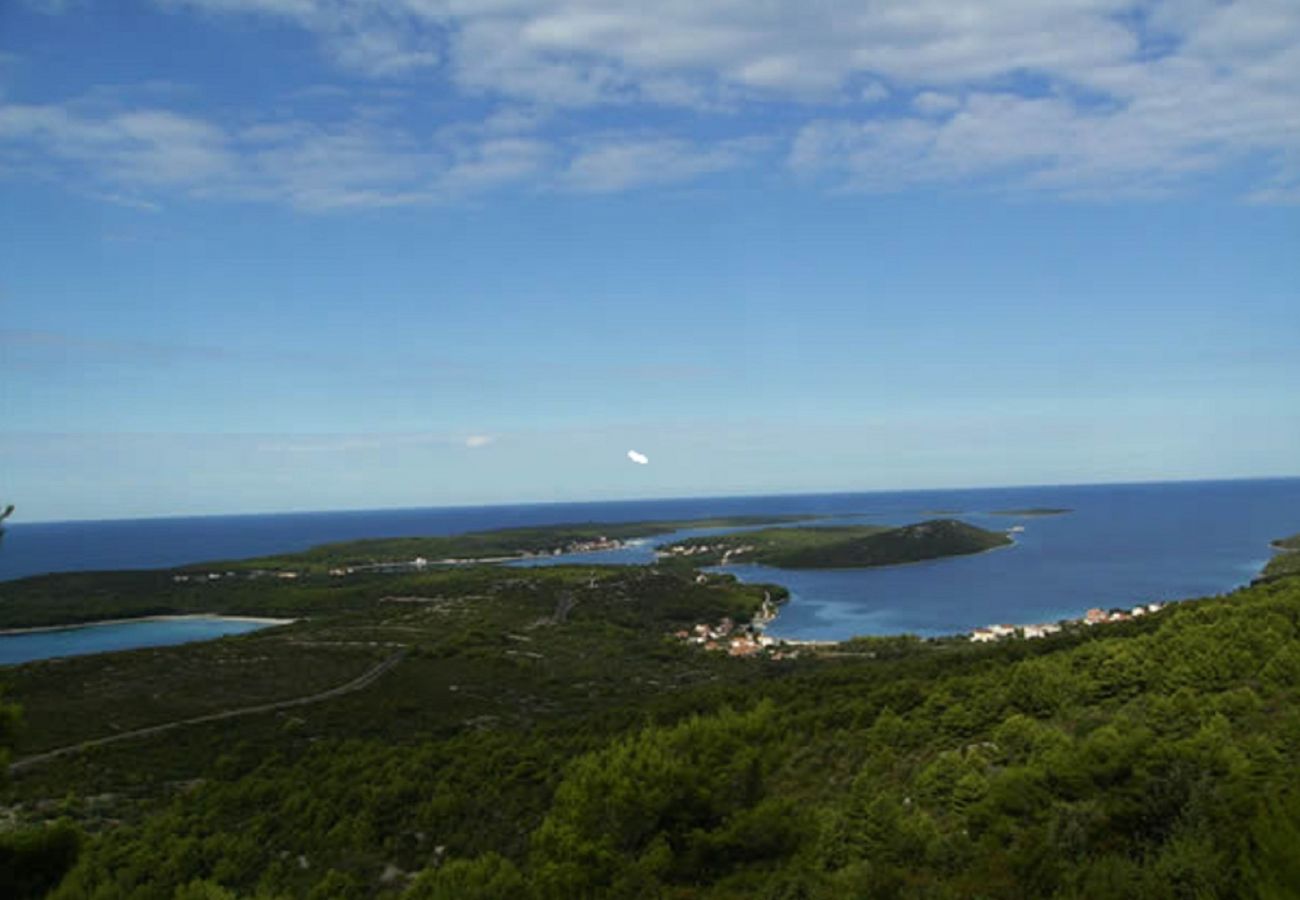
(840, 547)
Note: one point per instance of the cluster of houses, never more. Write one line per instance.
(200, 577)
(998, 632)
(1093, 616)
(419, 564)
(591, 546)
(743, 640)
(685, 550)
(726, 637)
(1096, 616)
(704, 549)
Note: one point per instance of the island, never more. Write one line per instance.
(839, 546)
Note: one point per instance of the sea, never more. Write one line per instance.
(1120, 545)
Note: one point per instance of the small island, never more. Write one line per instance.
(839, 547)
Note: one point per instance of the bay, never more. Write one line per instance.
(1120, 544)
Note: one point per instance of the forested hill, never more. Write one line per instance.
(1287, 561)
(543, 738)
(847, 546)
(484, 545)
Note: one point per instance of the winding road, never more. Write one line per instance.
(361, 681)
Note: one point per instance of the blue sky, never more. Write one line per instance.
(307, 254)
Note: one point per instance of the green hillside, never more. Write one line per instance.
(1287, 562)
(542, 736)
(479, 545)
(850, 546)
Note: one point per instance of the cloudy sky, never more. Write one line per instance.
(310, 254)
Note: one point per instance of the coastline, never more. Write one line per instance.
(779, 607)
(37, 629)
(1076, 620)
(1012, 542)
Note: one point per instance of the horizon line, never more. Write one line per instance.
(667, 499)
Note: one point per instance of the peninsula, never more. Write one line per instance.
(839, 547)
(497, 545)
(291, 584)
(1286, 562)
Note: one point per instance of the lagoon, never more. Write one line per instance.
(106, 637)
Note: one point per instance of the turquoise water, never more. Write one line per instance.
(83, 639)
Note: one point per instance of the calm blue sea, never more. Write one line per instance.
(1121, 544)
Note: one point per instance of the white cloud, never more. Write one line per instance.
(1073, 96)
(496, 161)
(377, 39)
(358, 161)
(874, 92)
(934, 103)
(583, 51)
(144, 147)
(1156, 140)
(127, 201)
(478, 440)
(615, 165)
(639, 458)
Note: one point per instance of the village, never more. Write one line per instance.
(681, 550)
(251, 575)
(725, 636)
(417, 564)
(741, 640)
(1094, 616)
(750, 639)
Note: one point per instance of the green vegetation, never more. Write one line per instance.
(544, 738)
(1287, 562)
(33, 858)
(847, 546)
(72, 597)
(501, 543)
